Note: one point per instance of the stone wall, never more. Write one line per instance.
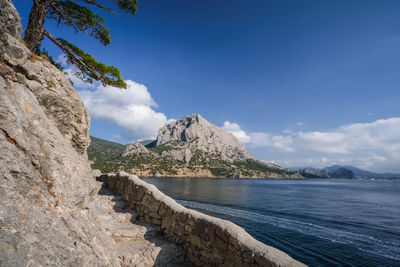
(206, 240)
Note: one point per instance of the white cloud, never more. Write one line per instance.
(373, 146)
(380, 136)
(235, 129)
(131, 109)
(280, 142)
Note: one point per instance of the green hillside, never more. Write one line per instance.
(106, 155)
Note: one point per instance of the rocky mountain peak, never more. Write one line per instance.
(182, 130)
(194, 134)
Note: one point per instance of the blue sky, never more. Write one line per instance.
(294, 80)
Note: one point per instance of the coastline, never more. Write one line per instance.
(204, 173)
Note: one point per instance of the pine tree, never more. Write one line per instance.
(82, 19)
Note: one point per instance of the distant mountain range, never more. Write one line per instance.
(324, 173)
(189, 147)
(365, 174)
(350, 172)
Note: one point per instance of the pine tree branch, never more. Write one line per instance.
(92, 2)
(78, 63)
(89, 68)
(80, 18)
(61, 15)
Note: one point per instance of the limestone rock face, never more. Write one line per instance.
(193, 133)
(9, 19)
(13, 51)
(44, 184)
(54, 92)
(60, 101)
(44, 181)
(32, 124)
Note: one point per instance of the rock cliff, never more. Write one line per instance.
(52, 211)
(42, 119)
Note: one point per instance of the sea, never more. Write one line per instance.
(320, 222)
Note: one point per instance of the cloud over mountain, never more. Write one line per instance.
(132, 109)
(235, 129)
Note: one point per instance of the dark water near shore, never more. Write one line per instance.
(333, 222)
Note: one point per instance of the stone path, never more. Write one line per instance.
(137, 244)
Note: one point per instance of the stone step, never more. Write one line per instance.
(137, 244)
(129, 231)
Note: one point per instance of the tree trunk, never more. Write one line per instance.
(34, 31)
